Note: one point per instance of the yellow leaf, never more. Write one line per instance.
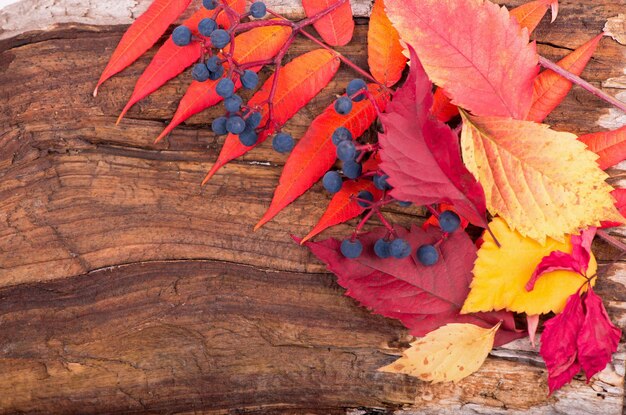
(449, 353)
(501, 274)
(542, 182)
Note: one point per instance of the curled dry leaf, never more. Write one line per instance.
(448, 354)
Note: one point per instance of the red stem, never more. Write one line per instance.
(384, 221)
(361, 224)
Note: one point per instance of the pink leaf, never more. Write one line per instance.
(421, 155)
(598, 337)
(532, 322)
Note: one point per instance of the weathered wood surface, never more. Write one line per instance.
(127, 287)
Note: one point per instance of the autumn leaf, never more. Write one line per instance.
(610, 146)
(421, 154)
(550, 88)
(501, 274)
(442, 108)
(258, 44)
(384, 51)
(141, 35)
(530, 14)
(298, 83)
(337, 27)
(239, 6)
(315, 153)
(542, 182)
(343, 206)
(448, 354)
(483, 60)
(422, 298)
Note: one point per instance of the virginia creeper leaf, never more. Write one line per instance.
(576, 261)
(609, 145)
(337, 27)
(298, 83)
(141, 35)
(315, 153)
(542, 182)
(448, 354)
(421, 154)
(384, 51)
(598, 337)
(550, 89)
(442, 108)
(501, 274)
(558, 343)
(422, 298)
(483, 60)
(530, 14)
(258, 44)
(238, 6)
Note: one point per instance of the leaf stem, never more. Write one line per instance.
(611, 240)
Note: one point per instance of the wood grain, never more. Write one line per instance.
(127, 287)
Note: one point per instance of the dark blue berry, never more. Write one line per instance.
(258, 9)
(449, 221)
(354, 87)
(283, 143)
(381, 248)
(233, 103)
(200, 72)
(249, 79)
(332, 182)
(404, 204)
(346, 150)
(225, 88)
(213, 63)
(367, 197)
(207, 26)
(427, 255)
(352, 169)
(219, 126)
(248, 137)
(351, 249)
(217, 74)
(209, 4)
(343, 105)
(220, 38)
(254, 120)
(399, 248)
(381, 182)
(181, 36)
(235, 124)
(341, 134)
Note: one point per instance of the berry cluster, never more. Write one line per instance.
(217, 64)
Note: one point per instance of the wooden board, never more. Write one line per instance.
(127, 287)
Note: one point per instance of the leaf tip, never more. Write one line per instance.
(95, 91)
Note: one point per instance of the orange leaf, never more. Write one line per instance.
(384, 51)
(141, 35)
(343, 206)
(609, 145)
(237, 5)
(258, 44)
(550, 88)
(315, 153)
(530, 14)
(337, 27)
(298, 82)
(483, 60)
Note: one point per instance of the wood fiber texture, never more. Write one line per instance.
(125, 287)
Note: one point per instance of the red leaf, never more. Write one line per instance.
(609, 145)
(550, 88)
(343, 206)
(483, 60)
(421, 155)
(298, 83)
(337, 27)
(169, 61)
(442, 108)
(258, 44)
(577, 261)
(558, 343)
(237, 5)
(598, 337)
(384, 51)
(315, 153)
(423, 298)
(530, 14)
(620, 204)
(141, 35)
